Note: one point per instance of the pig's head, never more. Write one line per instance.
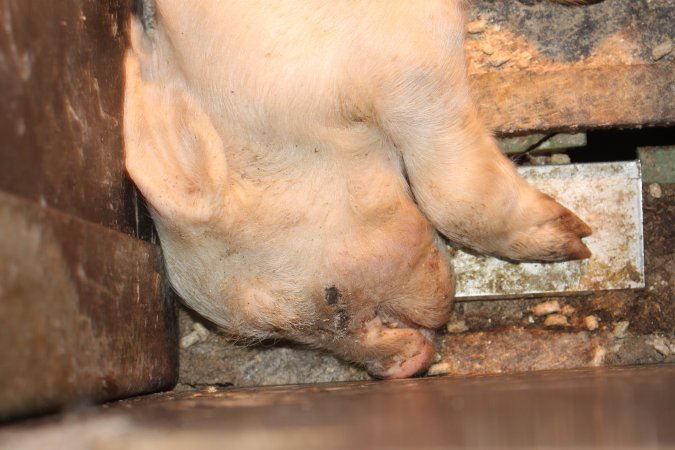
(297, 181)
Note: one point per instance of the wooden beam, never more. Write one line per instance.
(618, 408)
(577, 98)
(62, 85)
(83, 313)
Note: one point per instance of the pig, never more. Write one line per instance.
(305, 161)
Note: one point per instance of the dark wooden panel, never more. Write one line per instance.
(577, 98)
(61, 80)
(83, 313)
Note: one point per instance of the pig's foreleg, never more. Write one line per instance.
(461, 180)
(474, 196)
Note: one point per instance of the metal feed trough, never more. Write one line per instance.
(608, 196)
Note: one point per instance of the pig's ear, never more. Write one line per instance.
(173, 153)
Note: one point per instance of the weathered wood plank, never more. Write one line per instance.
(83, 313)
(583, 409)
(577, 98)
(62, 82)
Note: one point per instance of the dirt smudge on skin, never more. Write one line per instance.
(332, 295)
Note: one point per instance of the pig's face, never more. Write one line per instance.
(300, 159)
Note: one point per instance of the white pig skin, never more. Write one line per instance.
(302, 158)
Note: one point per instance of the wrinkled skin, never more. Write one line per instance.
(301, 160)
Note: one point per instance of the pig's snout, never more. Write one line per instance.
(388, 324)
(413, 349)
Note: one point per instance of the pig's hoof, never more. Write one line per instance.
(397, 352)
(556, 237)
